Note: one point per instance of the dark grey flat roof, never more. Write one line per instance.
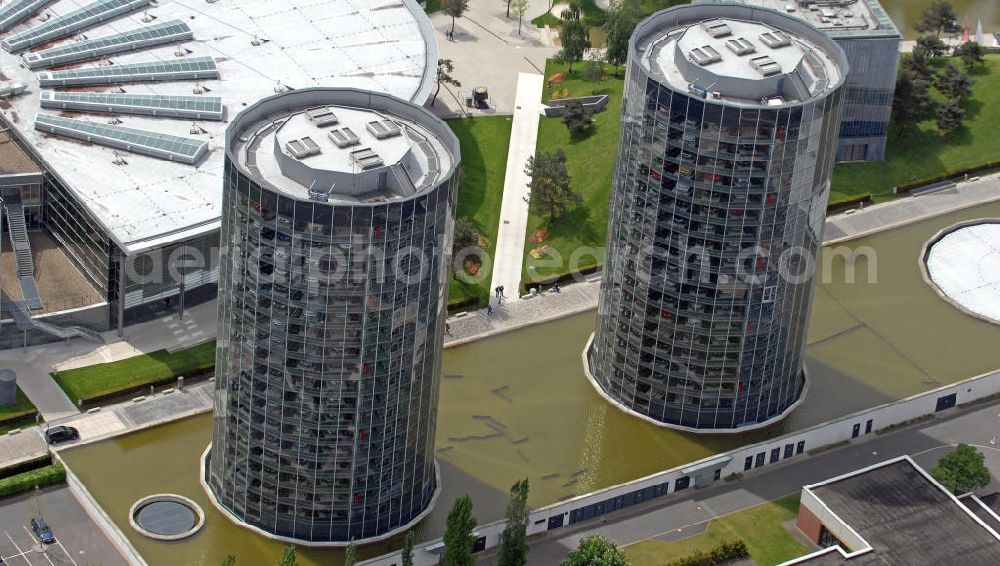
(907, 519)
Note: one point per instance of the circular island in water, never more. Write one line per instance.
(963, 265)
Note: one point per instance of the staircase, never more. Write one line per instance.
(24, 321)
(21, 246)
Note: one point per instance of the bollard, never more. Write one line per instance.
(180, 382)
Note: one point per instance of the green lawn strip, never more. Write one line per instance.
(20, 411)
(158, 367)
(432, 6)
(760, 527)
(590, 161)
(485, 142)
(922, 154)
(27, 481)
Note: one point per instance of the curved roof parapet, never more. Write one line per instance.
(342, 145)
(739, 55)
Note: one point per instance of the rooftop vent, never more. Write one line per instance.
(302, 148)
(705, 55)
(789, 7)
(773, 101)
(366, 158)
(322, 116)
(775, 39)
(383, 129)
(765, 65)
(343, 137)
(716, 28)
(740, 46)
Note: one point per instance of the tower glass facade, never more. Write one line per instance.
(332, 306)
(718, 202)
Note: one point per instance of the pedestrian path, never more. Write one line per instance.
(508, 259)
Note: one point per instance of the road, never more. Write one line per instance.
(925, 442)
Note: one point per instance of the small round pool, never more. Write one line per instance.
(166, 517)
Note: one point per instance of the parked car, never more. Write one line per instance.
(42, 531)
(60, 434)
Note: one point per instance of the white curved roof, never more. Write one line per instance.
(260, 47)
(965, 266)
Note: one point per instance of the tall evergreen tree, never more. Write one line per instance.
(550, 186)
(937, 18)
(912, 101)
(933, 45)
(288, 557)
(408, 549)
(949, 115)
(229, 560)
(971, 53)
(351, 554)
(458, 539)
(954, 83)
(514, 542)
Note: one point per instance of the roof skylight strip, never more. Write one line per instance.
(13, 13)
(193, 68)
(152, 144)
(71, 22)
(195, 107)
(131, 40)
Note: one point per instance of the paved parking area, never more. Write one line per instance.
(79, 541)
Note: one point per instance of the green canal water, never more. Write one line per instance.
(869, 343)
(907, 12)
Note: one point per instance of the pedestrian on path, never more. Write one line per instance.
(447, 329)
(489, 310)
(501, 291)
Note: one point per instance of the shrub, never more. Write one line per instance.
(30, 480)
(732, 550)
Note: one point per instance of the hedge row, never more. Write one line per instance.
(725, 552)
(28, 481)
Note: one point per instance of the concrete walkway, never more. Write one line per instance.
(33, 365)
(509, 257)
(669, 518)
(581, 297)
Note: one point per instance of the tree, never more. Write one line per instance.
(919, 63)
(971, 53)
(594, 69)
(936, 18)
(408, 549)
(508, 11)
(949, 115)
(933, 45)
(465, 233)
(962, 470)
(229, 560)
(912, 101)
(550, 188)
(514, 541)
(574, 35)
(288, 557)
(954, 83)
(576, 118)
(458, 539)
(520, 9)
(351, 554)
(596, 551)
(455, 9)
(622, 17)
(444, 71)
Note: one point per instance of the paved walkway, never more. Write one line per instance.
(34, 365)
(487, 51)
(669, 517)
(509, 257)
(912, 208)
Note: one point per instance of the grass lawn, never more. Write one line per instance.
(760, 527)
(590, 161)
(921, 153)
(432, 6)
(147, 369)
(21, 410)
(484, 142)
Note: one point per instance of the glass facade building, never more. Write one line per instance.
(729, 127)
(338, 211)
(868, 36)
